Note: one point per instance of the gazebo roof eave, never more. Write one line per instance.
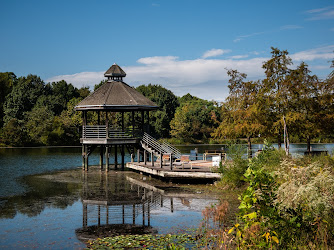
(115, 107)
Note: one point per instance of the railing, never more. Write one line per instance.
(171, 149)
(164, 148)
(100, 132)
(152, 143)
(91, 132)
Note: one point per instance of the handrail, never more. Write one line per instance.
(163, 148)
(171, 149)
(152, 142)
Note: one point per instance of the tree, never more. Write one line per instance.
(194, 120)
(276, 70)
(241, 113)
(301, 103)
(167, 102)
(7, 80)
(23, 97)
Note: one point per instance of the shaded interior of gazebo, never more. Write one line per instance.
(111, 103)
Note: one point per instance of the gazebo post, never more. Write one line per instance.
(133, 123)
(148, 121)
(123, 151)
(142, 121)
(116, 162)
(83, 157)
(101, 157)
(107, 158)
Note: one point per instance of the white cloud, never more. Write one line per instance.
(205, 78)
(238, 57)
(321, 13)
(323, 53)
(215, 52)
(239, 38)
(80, 79)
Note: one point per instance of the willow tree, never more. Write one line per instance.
(241, 112)
(273, 92)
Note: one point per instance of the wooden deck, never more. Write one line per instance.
(191, 170)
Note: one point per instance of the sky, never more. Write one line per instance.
(184, 45)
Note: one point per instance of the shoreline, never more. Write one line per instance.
(179, 145)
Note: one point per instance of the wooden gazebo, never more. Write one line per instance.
(113, 99)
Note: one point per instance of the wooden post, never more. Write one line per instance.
(133, 214)
(145, 159)
(171, 161)
(107, 126)
(86, 158)
(133, 124)
(148, 122)
(116, 162)
(161, 160)
(138, 155)
(107, 158)
(152, 159)
(123, 151)
(122, 121)
(101, 157)
(83, 157)
(142, 121)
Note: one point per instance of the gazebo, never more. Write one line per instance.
(103, 114)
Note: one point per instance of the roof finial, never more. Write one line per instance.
(115, 73)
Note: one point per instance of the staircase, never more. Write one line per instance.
(151, 145)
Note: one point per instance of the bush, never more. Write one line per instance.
(234, 169)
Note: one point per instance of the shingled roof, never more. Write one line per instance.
(117, 96)
(115, 70)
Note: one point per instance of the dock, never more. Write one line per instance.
(192, 170)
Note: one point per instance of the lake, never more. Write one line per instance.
(46, 201)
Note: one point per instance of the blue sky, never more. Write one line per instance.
(183, 45)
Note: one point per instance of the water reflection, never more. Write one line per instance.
(116, 203)
(67, 208)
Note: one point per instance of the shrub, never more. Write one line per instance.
(233, 170)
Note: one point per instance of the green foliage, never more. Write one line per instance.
(23, 97)
(146, 241)
(286, 205)
(194, 120)
(234, 169)
(7, 80)
(167, 102)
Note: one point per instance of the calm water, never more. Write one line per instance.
(43, 209)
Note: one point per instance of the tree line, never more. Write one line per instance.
(34, 113)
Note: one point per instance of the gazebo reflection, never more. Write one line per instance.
(115, 204)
